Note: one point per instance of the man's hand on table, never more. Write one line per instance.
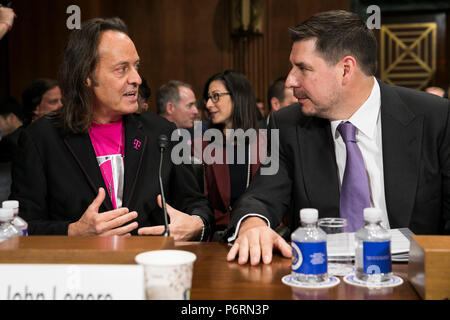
(257, 240)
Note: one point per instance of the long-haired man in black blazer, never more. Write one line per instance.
(91, 168)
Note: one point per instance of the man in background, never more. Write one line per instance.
(7, 16)
(144, 96)
(176, 102)
(39, 98)
(436, 91)
(279, 96)
(261, 108)
(10, 124)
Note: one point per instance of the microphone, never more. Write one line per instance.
(163, 142)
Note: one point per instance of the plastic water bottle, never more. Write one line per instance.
(309, 250)
(18, 222)
(7, 230)
(373, 249)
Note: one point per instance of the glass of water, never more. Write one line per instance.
(340, 251)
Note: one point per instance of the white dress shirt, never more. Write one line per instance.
(367, 120)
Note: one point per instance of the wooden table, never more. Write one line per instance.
(214, 278)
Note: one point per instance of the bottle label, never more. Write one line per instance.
(377, 257)
(309, 257)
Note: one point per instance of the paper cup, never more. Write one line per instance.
(167, 274)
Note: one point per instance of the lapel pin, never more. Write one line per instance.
(137, 144)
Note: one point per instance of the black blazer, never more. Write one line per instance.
(416, 160)
(56, 176)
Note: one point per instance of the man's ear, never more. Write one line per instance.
(170, 108)
(91, 81)
(275, 103)
(348, 65)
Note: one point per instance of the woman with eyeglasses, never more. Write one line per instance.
(231, 105)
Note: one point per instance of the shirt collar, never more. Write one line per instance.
(366, 117)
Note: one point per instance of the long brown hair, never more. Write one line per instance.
(78, 64)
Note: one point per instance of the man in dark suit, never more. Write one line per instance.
(10, 128)
(399, 137)
(91, 167)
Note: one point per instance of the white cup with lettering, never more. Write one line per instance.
(167, 274)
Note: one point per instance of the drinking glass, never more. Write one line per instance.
(340, 251)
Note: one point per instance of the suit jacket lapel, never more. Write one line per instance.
(318, 162)
(82, 150)
(135, 144)
(402, 142)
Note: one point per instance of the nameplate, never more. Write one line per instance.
(71, 282)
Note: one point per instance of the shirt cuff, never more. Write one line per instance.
(236, 232)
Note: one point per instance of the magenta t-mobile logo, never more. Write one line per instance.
(137, 144)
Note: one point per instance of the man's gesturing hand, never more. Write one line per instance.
(107, 223)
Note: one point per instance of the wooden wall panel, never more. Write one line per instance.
(266, 58)
(177, 40)
(37, 40)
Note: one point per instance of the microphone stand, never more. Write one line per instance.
(166, 232)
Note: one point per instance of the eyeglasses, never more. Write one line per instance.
(215, 96)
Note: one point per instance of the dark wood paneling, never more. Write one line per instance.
(182, 40)
(37, 40)
(285, 14)
(188, 40)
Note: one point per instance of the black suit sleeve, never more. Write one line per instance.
(444, 155)
(29, 187)
(185, 193)
(267, 195)
(187, 197)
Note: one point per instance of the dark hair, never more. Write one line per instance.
(340, 33)
(169, 92)
(276, 90)
(10, 105)
(78, 64)
(245, 110)
(144, 94)
(32, 96)
(144, 90)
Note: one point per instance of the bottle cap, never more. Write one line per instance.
(10, 204)
(372, 214)
(309, 215)
(6, 214)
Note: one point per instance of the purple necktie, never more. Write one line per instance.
(355, 194)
